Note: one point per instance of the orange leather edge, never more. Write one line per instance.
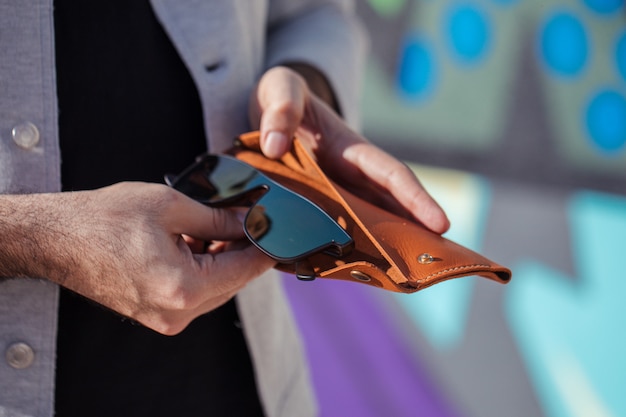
(390, 252)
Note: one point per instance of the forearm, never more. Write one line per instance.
(31, 241)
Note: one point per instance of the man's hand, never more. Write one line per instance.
(127, 247)
(283, 104)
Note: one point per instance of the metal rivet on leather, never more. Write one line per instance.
(20, 355)
(425, 258)
(25, 135)
(361, 276)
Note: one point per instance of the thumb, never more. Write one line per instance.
(275, 143)
(189, 217)
(281, 96)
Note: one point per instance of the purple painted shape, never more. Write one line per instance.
(359, 365)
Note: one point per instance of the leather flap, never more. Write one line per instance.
(390, 252)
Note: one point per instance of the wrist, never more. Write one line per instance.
(31, 241)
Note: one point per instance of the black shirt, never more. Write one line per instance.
(129, 111)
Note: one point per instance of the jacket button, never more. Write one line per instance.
(25, 135)
(20, 356)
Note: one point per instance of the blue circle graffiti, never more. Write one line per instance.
(606, 121)
(604, 6)
(564, 46)
(416, 71)
(469, 33)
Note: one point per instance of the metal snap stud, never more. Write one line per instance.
(425, 258)
(361, 276)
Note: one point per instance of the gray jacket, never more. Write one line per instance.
(226, 46)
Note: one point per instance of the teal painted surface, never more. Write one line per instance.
(570, 330)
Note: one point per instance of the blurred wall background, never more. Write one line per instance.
(513, 114)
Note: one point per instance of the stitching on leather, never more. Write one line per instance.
(456, 268)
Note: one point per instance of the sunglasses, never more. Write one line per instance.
(284, 225)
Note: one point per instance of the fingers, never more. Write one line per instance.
(396, 178)
(285, 104)
(198, 283)
(217, 278)
(281, 97)
(231, 269)
(221, 276)
(229, 260)
(185, 216)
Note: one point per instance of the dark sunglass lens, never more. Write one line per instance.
(282, 223)
(217, 178)
(289, 227)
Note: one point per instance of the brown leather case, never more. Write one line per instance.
(390, 252)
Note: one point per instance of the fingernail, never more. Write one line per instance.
(275, 144)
